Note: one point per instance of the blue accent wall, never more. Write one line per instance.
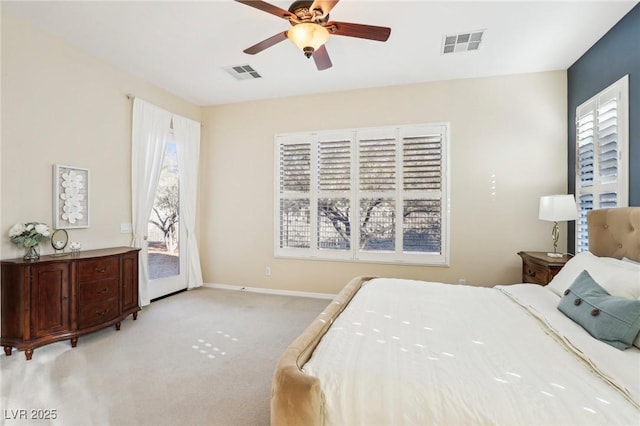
(616, 54)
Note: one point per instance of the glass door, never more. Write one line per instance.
(166, 265)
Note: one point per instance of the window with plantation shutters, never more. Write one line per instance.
(294, 189)
(363, 194)
(334, 192)
(422, 186)
(602, 140)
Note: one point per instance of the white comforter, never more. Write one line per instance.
(454, 355)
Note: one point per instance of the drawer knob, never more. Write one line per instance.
(103, 291)
(531, 273)
(101, 270)
(101, 313)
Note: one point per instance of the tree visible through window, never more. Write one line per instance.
(371, 194)
(164, 222)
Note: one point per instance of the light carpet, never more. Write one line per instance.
(202, 357)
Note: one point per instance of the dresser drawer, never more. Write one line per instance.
(535, 274)
(97, 313)
(95, 291)
(98, 269)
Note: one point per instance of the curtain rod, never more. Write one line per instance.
(130, 96)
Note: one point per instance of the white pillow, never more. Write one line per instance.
(618, 277)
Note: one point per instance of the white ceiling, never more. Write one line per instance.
(184, 46)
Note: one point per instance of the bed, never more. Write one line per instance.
(451, 354)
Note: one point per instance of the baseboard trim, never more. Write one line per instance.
(271, 291)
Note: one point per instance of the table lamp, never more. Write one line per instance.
(557, 208)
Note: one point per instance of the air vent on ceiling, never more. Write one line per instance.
(242, 72)
(462, 42)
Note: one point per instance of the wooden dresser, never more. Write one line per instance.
(59, 298)
(538, 268)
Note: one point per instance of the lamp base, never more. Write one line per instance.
(555, 254)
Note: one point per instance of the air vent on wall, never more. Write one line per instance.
(242, 72)
(462, 42)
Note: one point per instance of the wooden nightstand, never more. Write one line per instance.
(538, 268)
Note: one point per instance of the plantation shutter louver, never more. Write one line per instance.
(608, 138)
(601, 155)
(334, 185)
(334, 165)
(294, 188)
(377, 204)
(422, 169)
(585, 134)
(377, 164)
(422, 163)
(295, 169)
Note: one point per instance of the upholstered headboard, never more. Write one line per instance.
(615, 232)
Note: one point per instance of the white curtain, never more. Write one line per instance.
(148, 139)
(186, 134)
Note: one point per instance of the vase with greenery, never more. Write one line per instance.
(28, 236)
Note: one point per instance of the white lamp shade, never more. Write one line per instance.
(308, 35)
(557, 208)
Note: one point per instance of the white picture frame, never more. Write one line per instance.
(70, 197)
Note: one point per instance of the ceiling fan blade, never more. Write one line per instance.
(267, 7)
(324, 5)
(321, 58)
(259, 47)
(370, 32)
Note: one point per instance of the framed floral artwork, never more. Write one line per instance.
(70, 197)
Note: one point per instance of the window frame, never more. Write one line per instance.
(618, 91)
(354, 253)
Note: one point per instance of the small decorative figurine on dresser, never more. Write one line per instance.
(75, 247)
(59, 240)
(28, 236)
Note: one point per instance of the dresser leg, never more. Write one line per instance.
(7, 350)
(117, 326)
(28, 353)
(135, 316)
(74, 342)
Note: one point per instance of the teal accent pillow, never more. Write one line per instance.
(613, 320)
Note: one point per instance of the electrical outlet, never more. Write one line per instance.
(267, 271)
(126, 228)
(462, 281)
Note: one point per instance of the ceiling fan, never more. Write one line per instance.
(310, 28)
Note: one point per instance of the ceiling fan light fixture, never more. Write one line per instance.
(308, 37)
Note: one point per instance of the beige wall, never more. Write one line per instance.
(60, 105)
(508, 147)
(63, 106)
